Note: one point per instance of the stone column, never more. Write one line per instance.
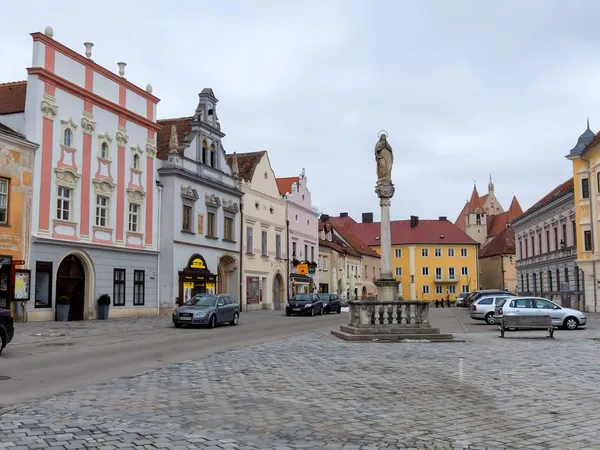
(385, 239)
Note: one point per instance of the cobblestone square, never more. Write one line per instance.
(314, 392)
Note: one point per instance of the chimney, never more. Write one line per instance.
(414, 220)
(344, 214)
(442, 218)
(367, 217)
(324, 218)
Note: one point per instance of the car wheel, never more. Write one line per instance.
(571, 323)
(236, 319)
(287, 313)
(489, 318)
(212, 322)
(2, 342)
(321, 311)
(312, 311)
(339, 310)
(177, 325)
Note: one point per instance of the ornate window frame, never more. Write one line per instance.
(66, 177)
(71, 127)
(136, 150)
(230, 210)
(136, 196)
(104, 139)
(213, 203)
(104, 188)
(189, 197)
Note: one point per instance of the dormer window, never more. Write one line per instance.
(68, 138)
(329, 237)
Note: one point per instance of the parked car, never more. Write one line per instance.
(207, 309)
(484, 307)
(460, 298)
(331, 303)
(571, 319)
(7, 330)
(474, 296)
(304, 304)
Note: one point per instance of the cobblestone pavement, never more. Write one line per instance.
(314, 392)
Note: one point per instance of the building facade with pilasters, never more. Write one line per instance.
(94, 215)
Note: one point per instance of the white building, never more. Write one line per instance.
(303, 233)
(200, 230)
(94, 209)
(263, 232)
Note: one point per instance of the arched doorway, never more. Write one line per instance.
(70, 282)
(277, 291)
(225, 280)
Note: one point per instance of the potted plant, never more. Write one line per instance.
(103, 306)
(62, 308)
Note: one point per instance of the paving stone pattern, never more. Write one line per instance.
(313, 392)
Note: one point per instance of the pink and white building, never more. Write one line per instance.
(95, 211)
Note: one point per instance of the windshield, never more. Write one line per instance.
(303, 297)
(201, 300)
(463, 294)
(325, 297)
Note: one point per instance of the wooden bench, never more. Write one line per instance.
(527, 322)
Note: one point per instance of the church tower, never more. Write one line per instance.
(476, 217)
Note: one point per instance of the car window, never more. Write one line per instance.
(523, 303)
(485, 301)
(501, 302)
(497, 299)
(230, 300)
(543, 304)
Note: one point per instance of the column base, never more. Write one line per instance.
(387, 289)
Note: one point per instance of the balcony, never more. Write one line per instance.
(446, 279)
(564, 253)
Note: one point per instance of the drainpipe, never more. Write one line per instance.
(502, 269)
(287, 258)
(593, 225)
(160, 188)
(241, 253)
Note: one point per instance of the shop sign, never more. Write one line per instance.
(312, 270)
(188, 285)
(210, 285)
(302, 269)
(197, 264)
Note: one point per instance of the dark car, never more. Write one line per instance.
(309, 304)
(474, 296)
(331, 303)
(207, 309)
(7, 330)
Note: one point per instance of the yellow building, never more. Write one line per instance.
(585, 157)
(432, 259)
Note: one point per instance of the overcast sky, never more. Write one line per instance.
(464, 88)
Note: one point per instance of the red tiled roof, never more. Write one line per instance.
(247, 163)
(470, 207)
(497, 223)
(354, 245)
(426, 232)
(554, 193)
(502, 244)
(12, 97)
(183, 126)
(285, 184)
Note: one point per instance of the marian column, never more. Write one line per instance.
(384, 157)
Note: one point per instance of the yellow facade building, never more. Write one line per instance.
(432, 259)
(585, 157)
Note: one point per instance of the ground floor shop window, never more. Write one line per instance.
(119, 287)
(253, 290)
(324, 288)
(139, 287)
(43, 284)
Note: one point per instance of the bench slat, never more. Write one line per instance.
(527, 321)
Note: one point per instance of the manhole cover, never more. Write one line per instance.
(4, 378)
(56, 344)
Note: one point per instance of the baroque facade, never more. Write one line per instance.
(432, 259)
(546, 248)
(263, 223)
(200, 232)
(303, 238)
(585, 157)
(94, 215)
(16, 191)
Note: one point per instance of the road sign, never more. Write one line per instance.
(302, 269)
(312, 270)
(18, 262)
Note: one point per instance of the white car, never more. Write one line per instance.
(571, 319)
(483, 309)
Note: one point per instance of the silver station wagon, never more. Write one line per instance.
(207, 309)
